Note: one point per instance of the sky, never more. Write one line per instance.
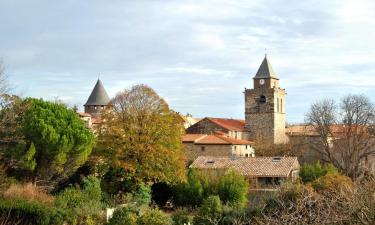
(199, 55)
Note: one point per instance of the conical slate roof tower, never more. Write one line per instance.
(98, 100)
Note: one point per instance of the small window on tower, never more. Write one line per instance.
(262, 99)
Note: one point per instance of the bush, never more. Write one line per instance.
(210, 212)
(142, 196)
(233, 189)
(28, 192)
(311, 172)
(17, 211)
(81, 203)
(190, 193)
(124, 216)
(332, 182)
(154, 217)
(181, 217)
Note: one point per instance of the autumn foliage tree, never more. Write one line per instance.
(143, 136)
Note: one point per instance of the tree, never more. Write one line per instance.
(211, 211)
(143, 136)
(53, 142)
(191, 192)
(344, 133)
(311, 172)
(233, 188)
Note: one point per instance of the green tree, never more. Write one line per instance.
(191, 192)
(143, 136)
(311, 172)
(56, 141)
(210, 212)
(233, 189)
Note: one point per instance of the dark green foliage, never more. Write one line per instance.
(233, 188)
(142, 196)
(311, 172)
(154, 217)
(210, 212)
(181, 217)
(118, 180)
(191, 192)
(28, 213)
(81, 203)
(125, 216)
(52, 142)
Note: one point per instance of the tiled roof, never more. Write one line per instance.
(213, 139)
(229, 124)
(98, 95)
(82, 114)
(265, 70)
(250, 166)
(309, 130)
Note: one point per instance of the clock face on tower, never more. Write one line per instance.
(261, 81)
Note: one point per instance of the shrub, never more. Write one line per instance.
(311, 172)
(28, 192)
(81, 203)
(190, 193)
(333, 182)
(154, 217)
(233, 189)
(181, 217)
(124, 216)
(142, 196)
(17, 211)
(210, 212)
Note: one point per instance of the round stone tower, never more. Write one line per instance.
(97, 101)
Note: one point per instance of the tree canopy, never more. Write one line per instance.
(143, 136)
(53, 141)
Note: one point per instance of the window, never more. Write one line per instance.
(247, 155)
(262, 99)
(281, 105)
(278, 105)
(203, 148)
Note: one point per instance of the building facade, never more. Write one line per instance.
(196, 145)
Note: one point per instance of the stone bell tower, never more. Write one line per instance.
(265, 107)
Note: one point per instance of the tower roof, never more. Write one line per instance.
(98, 95)
(265, 70)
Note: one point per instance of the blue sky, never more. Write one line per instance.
(199, 54)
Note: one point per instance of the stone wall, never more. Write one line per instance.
(265, 115)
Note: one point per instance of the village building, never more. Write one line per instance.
(263, 173)
(233, 128)
(216, 145)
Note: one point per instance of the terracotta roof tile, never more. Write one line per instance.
(213, 139)
(229, 124)
(250, 166)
